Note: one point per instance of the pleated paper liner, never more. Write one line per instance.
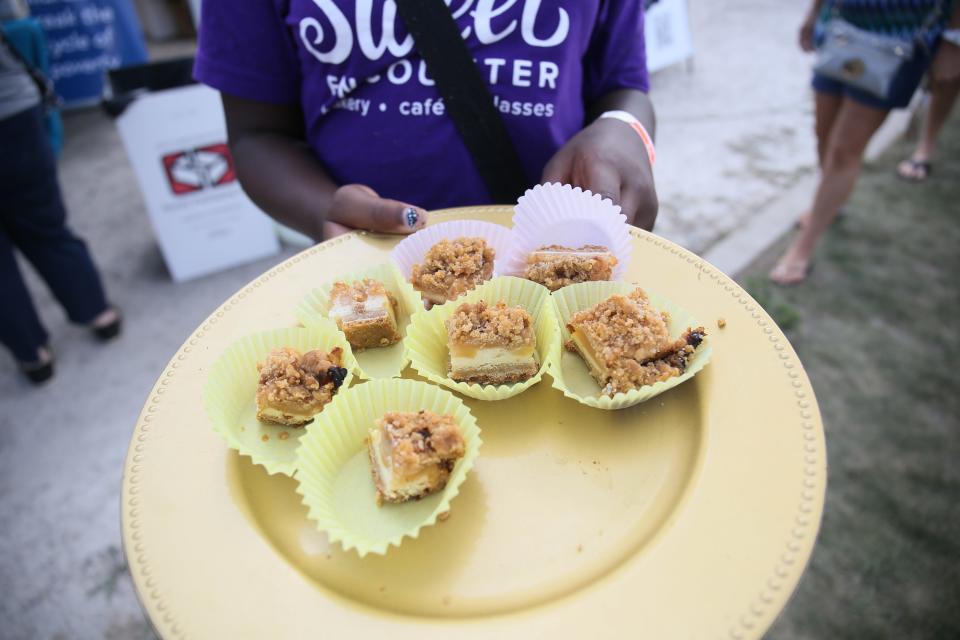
(334, 472)
(412, 249)
(229, 396)
(571, 217)
(427, 335)
(380, 362)
(568, 370)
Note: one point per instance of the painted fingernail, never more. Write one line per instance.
(411, 217)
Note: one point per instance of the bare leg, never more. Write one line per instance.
(943, 95)
(826, 108)
(843, 158)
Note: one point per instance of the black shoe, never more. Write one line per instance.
(38, 372)
(109, 331)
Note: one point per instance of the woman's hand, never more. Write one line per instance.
(609, 158)
(357, 206)
(946, 65)
(806, 33)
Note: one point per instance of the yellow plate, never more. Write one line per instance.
(692, 515)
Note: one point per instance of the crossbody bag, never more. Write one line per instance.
(864, 60)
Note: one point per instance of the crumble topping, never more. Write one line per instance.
(357, 294)
(567, 266)
(287, 376)
(485, 326)
(631, 341)
(359, 291)
(454, 266)
(422, 439)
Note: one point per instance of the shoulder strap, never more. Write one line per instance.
(466, 96)
(48, 96)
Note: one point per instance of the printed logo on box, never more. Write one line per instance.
(200, 168)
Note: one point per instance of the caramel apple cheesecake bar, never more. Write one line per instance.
(626, 343)
(453, 267)
(413, 454)
(366, 313)
(555, 266)
(491, 344)
(293, 388)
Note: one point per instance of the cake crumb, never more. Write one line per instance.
(264, 437)
(443, 517)
(721, 322)
(283, 435)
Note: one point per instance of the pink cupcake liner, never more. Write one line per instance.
(413, 248)
(560, 214)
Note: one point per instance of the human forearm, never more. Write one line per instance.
(283, 177)
(815, 7)
(630, 100)
(609, 158)
(281, 174)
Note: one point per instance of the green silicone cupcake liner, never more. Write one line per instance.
(229, 396)
(569, 372)
(334, 471)
(427, 335)
(385, 362)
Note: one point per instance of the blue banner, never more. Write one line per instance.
(85, 38)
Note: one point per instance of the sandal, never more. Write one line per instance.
(40, 370)
(109, 330)
(913, 170)
(783, 276)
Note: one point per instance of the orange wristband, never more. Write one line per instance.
(636, 125)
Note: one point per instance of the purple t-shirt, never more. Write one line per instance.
(371, 112)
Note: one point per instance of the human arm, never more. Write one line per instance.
(609, 158)
(806, 28)
(280, 173)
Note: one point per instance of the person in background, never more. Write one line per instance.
(335, 124)
(943, 95)
(33, 220)
(846, 118)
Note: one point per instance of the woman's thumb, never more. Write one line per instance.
(359, 206)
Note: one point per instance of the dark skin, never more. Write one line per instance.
(281, 174)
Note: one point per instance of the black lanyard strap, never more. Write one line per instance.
(466, 97)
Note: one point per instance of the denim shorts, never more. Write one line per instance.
(902, 88)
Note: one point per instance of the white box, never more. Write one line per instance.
(177, 143)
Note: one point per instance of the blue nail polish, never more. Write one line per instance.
(411, 216)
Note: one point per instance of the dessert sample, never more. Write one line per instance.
(294, 387)
(555, 266)
(491, 344)
(366, 313)
(413, 454)
(453, 267)
(626, 343)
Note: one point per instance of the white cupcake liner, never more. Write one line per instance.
(560, 214)
(413, 248)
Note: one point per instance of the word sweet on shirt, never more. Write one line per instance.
(335, 44)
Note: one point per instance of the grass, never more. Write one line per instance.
(876, 326)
